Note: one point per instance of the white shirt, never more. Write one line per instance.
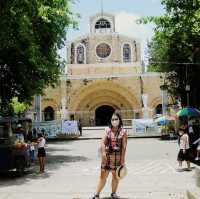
(184, 142)
(32, 148)
(42, 142)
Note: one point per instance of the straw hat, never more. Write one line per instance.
(121, 172)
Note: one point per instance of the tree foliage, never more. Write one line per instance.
(175, 47)
(31, 33)
(18, 108)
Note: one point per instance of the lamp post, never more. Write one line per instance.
(187, 89)
(187, 86)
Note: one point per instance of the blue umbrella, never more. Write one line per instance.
(164, 120)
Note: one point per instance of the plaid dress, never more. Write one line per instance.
(113, 145)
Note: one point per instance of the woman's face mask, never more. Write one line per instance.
(115, 121)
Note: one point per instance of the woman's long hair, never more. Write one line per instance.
(120, 120)
(40, 135)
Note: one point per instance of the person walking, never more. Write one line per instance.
(41, 151)
(198, 149)
(183, 154)
(113, 150)
(80, 127)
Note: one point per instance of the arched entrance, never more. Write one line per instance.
(103, 115)
(158, 109)
(49, 114)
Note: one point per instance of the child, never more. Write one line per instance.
(41, 151)
(32, 152)
(183, 154)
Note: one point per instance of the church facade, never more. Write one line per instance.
(103, 73)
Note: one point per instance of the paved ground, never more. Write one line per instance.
(73, 170)
(98, 132)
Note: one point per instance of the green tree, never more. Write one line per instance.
(175, 47)
(18, 108)
(31, 33)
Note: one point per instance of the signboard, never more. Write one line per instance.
(50, 128)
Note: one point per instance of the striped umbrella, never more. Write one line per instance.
(188, 112)
(165, 119)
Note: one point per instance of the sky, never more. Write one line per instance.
(126, 11)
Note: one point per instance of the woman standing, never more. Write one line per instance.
(41, 151)
(183, 154)
(113, 149)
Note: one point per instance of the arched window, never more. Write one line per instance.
(49, 114)
(126, 53)
(80, 54)
(102, 25)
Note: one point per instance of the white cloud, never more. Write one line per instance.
(126, 24)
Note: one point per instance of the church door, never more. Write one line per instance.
(49, 114)
(103, 115)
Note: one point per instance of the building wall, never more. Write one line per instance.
(114, 40)
(124, 94)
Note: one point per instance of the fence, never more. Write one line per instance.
(145, 128)
(89, 118)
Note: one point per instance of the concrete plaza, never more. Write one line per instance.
(73, 170)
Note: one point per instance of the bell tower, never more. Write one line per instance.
(102, 23)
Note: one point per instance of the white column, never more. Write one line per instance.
(145, 108)
(38, 110)
(164, 101)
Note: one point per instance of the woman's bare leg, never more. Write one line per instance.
(102, 181)
(188, 164)
(198, 154)
(40, 162)
(43, 163)
(115, 182)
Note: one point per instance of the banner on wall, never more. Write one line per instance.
(54, 129)
(49, 128)
(69, 127)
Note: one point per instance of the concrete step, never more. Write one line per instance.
(101, 127)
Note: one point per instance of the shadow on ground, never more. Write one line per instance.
(111, 198)
(54, 161)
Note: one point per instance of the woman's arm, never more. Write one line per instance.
(124, 144)
(38, 140)
(103, 145)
